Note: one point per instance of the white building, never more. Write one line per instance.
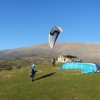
(66, 58)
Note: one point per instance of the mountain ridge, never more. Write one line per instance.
(82, 50)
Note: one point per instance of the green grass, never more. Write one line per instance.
(50, 84)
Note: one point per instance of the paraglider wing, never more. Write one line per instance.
(53, 35)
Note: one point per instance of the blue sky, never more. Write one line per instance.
(26, 23)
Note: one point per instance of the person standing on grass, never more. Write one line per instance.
(32, 72)
(53, 62)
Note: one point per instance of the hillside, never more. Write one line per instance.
(81, 50)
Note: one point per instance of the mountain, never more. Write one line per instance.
(81, 50)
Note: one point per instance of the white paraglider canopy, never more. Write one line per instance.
(53, 35)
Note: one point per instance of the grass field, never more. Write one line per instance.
(50, 84)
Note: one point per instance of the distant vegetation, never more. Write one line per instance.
(9, 63)
(13, 62)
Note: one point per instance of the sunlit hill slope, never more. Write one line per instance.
(82, 50)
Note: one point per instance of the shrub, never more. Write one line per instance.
(8, 68)
(18, 66)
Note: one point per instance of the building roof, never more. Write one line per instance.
(69, 56)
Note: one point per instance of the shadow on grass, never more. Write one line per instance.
(44, 76)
